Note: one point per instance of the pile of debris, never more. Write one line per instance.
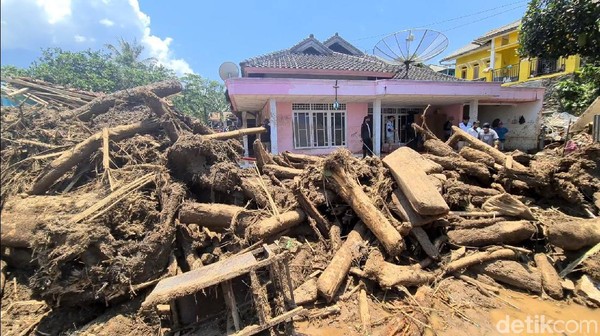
(124, 203)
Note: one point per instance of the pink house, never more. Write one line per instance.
(316, 94)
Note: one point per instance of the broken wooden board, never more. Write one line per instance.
(401, 206)
(191, 282)
(406, 166)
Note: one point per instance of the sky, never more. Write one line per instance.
(198, 36)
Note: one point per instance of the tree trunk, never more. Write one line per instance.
(550, 280)
(337, 270)
(83, 150)
(477, 170)
(514, 274)
(102, 104)
(262, 157)
(439, 148)
(478, 258)
(498, 156)
(477, 156)
(215, 217)
(235, 134)
(273, 225)
(389, 275)
(282, 172)
(498, 233)
(572, 235)
(352, 193)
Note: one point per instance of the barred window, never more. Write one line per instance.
(319, 125)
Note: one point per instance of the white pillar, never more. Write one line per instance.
(377, 127)
(493, 54)
(245, 125)
(273, 122)
(474, 110)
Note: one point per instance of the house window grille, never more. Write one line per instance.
(319, 125)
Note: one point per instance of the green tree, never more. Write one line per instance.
(553, 28)
(200, 96)
(128, 53)
(13, 71)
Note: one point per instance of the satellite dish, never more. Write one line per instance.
(411, 46)
(228, 70)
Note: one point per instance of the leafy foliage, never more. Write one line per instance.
(554, 28)
(201, 96)
(577, 93)
(119, 69)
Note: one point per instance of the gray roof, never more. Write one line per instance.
(295, 58)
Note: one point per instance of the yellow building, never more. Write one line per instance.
(494, 57)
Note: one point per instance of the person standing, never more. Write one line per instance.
(464, 125)
(489, 136)
(498, 126)
(448, 128)
(265, 137)
(366, 134)
(389, 133)
(474, 130)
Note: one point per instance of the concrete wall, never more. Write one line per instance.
(355, 113)
(520, 136)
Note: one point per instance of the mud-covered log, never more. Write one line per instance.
(478, 258)
(235, 134)
(513, 273)
(423, 131)
(282, 172)
(353, 194)
(477, 170)
(401, 207)
(510, 232)
(498, 156)
(551, 282)
(302, 158)
(478, 223)
(389, 275)
(307, 292)
(262, 157)
(215, 217)
(275, 224)
(21, 216)
(336, 272)
(311, 210)
(82, 151)
(477, 156)
(2, 276)
(575, 234)
(413, 181)
(439, 148)
(103, 104)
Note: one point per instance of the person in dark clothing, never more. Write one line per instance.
(265, 137)
(366, 134)
(448, 128)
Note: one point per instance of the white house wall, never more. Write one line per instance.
(520, 136)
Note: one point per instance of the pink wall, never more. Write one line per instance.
(355, 113)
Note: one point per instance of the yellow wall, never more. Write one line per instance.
(506, 54)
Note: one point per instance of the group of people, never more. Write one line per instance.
(493, 135)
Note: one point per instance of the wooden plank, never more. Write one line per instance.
(401, 206)
(230, 303)
(414, 183)
(213, 274)
(254, 329)
(363, 308)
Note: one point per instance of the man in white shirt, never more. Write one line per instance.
(389, 133)
(474, 130)
(488, 135)
(464, 125)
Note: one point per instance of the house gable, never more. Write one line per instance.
(340, 45)
(310, 46)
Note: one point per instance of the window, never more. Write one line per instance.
(318, 125)
(504, 40)
(463, 73)
(475, 71)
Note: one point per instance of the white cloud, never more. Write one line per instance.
(55, 10)
(107, 22)
(75, 25)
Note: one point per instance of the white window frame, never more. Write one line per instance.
(313, 109)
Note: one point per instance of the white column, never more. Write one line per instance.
(377, 127)
(493, 54)
(273, 122)
(245, 125)
(474, 110)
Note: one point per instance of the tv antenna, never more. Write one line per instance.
(411, 46)
(229, 70)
